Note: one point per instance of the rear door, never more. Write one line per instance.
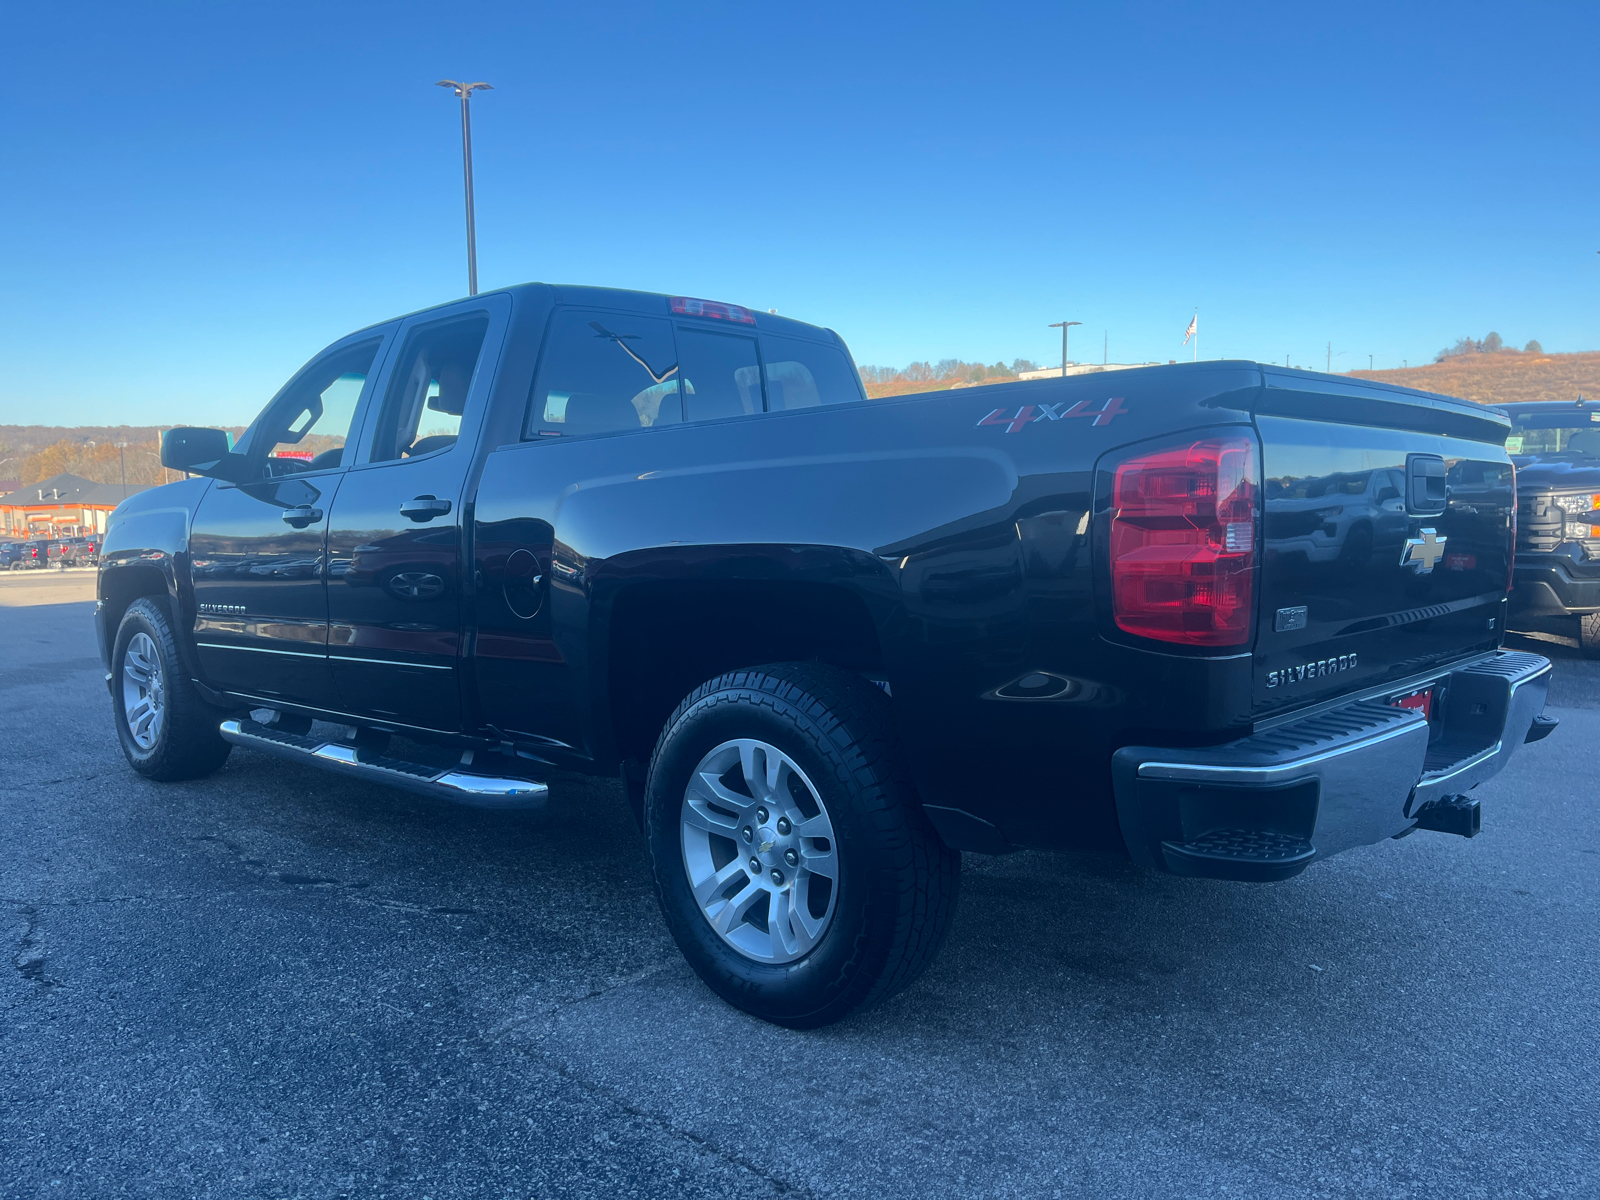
(1386, 549)
(256, 548)
(396, 537)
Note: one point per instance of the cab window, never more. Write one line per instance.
(604, 372)
(428, 389)
(802, 374)
(721, 375)
(306, 428)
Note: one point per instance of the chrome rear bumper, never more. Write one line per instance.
(1265, 806)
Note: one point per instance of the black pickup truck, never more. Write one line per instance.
(1556, 448)
(1221, 618)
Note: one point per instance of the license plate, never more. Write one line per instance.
(1421, 701)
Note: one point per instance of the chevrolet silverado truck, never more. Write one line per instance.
(1220, 618)
(1556, 448)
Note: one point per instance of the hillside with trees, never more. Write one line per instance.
(34, 452)
(937, 377)
(1490, 373)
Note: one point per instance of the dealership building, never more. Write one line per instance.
(62, 506)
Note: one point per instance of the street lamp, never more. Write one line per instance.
(123, 464)
(464, 91)
(1064, 326)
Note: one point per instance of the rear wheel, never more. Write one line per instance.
(167, 732)
(792, 860)
(1589, 634)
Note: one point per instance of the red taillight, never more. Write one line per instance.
(1183, 542)
(684, 306)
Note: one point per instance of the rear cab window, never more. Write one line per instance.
(806, 374)
(604, 372)
(611, 372)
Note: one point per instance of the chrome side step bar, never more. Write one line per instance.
(460, 787)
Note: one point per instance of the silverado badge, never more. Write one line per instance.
(1423, 552)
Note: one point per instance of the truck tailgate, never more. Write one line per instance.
(1389, 525)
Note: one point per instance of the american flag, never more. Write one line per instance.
(1194, 326)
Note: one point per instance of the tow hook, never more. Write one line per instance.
(1460, 815)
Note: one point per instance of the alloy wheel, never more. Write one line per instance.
(759, 851)
(143, 691)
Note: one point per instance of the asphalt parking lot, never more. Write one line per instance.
(275, 983)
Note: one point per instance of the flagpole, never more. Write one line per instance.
(1196, 335)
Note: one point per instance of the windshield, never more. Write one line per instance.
(1576, 431)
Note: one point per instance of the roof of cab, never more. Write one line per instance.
(625, 300)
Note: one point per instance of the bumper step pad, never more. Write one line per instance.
(1248, 855)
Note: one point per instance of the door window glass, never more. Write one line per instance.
(305, 429)
(428, 389)
(802, 374)
(604, 372)
(721, 375)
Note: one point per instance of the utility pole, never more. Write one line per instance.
(464, 91)
(1328, 369)
(1105, 350)
(123, 464)
(1064, 326)
(1369, 362)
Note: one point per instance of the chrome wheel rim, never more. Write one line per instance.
(144, 700)
(759, 851)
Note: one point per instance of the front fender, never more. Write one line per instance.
(146, 553)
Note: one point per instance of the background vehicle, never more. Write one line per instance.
(1556, 446)
(829, 643)
(80, 552)
(37, 554)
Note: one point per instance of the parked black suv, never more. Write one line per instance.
(1556, 448)
(829, 643)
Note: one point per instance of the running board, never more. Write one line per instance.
(480, 791)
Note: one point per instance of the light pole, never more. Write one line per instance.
(122, 464)
(1064, 326)
(464, 91)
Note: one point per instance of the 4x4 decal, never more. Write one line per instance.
(1029, 413)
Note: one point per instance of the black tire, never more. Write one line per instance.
(187, 744)
(1589, 634)
(897, 882)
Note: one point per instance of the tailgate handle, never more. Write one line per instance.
(1426, 490)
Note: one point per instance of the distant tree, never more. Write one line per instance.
(977, 373)
(918, 372)
(1533, 347)
(1019, 365)
(946, 367)
(1491, 344)
(1001, 370)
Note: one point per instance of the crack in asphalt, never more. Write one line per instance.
(605, 1092)
(63, 779)
(28, 964)
(341, 887)
(609, 1094)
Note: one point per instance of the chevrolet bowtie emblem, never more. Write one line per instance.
(765, 846)
(1423, 552)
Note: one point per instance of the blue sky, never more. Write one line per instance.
(195, 199)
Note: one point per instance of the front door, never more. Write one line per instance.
(395, 544)
(256, 547)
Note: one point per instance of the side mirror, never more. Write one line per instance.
(200, 451)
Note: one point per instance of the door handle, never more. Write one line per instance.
(301, 515)
(424, 508)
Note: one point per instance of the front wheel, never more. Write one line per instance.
(1589, 634)
(167, 731)
(791, 857)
